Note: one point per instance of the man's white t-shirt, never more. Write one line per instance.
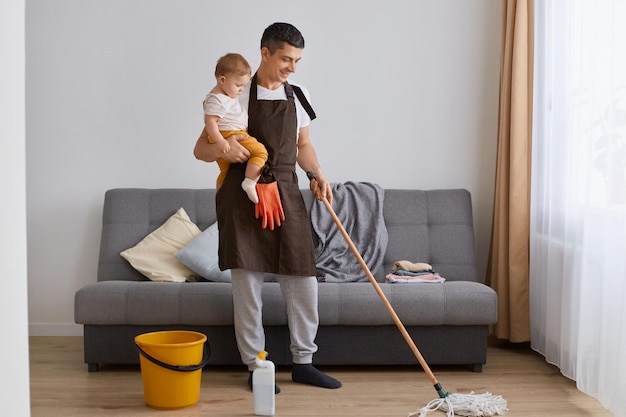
(302, 116)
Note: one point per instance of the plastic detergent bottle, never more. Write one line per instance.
(263, 380)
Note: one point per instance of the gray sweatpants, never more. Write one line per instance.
(300, 294)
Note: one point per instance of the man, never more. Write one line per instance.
(278, 116)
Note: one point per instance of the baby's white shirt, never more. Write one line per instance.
(232, 115)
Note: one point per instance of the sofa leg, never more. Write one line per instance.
(92, 367)
(477, 367)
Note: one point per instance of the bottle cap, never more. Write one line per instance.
(262, 355)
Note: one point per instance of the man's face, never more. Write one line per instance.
(282, 63)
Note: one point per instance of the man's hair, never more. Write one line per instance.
(276, 34)
(232, 64)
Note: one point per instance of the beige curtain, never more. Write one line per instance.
(507, 271)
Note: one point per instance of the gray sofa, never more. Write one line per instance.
(448, 322)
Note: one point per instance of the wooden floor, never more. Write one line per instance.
(62, 387)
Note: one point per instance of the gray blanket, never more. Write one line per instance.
(359, 207)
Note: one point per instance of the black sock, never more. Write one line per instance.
(276, 387)
(308, 374)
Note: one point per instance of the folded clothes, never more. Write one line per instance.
(411, 266)
(408, 279)
(414, 274)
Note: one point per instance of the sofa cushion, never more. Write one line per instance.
(449, 303)
(357, 304)
(154, 257)
(130, 214)
(154, 303)
(434, 226)
(200, 255)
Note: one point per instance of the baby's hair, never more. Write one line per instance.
(232, 64)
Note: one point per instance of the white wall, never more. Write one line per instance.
(405, 92)
(14, 378)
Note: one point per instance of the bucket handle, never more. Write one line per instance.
(179, 368)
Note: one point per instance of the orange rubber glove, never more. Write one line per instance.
(269, 206)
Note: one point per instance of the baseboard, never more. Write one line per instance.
(55, 329)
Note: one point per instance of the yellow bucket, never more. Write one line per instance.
(171, 367)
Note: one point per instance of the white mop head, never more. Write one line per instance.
(470, 404)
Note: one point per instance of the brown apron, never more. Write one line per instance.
(287, 249)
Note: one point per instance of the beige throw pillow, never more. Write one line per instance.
(154, 255)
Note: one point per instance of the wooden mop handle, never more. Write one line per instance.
(382, 296)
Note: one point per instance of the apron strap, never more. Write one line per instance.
(305, 103)
(289, 90)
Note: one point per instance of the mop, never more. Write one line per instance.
(453, 404)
